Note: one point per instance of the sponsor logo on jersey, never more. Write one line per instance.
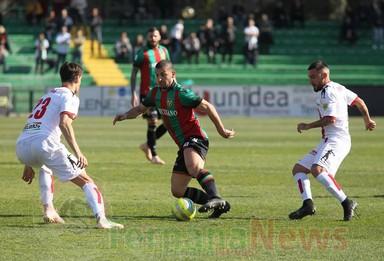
(169, 113)
(32, 126)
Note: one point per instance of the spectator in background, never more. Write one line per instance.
(139, 43)
(297, 12)
(5, 48)
(50, 27)
(210, 41)
(63, 40)
(34, 12)
(251, 33)
(228, 36)
(165, 41)
(78, 43)
(266, 34)
(348, 32)
(77, 9)
(123, 49)
(192, 47)
(41, 52)
(65, 20)
(95, 24)
(280, 15)
(377, 19)
(177, 40)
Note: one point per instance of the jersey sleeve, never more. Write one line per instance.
(350, 96)
(328, 105)
(148, 100)
(70, 106)
(138, 59)
(189, 99)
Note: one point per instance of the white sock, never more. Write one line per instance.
(304, 185)
(331, 185)
(46, 186)
(94, 199)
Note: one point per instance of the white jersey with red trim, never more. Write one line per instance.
(45, 117)
(333, 100)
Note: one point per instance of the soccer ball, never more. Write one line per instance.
(188, 12)
(183, 209)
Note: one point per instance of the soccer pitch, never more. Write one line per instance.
(252, 171)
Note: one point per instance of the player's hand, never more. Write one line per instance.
(28, 174)
(82, 161)
(118, 117)
(228, 134)
(302, 126)
(134, 100)
(370, 125)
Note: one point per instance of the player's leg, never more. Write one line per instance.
(324, 169)
(180, 180)
(95, 200)
(63, 165)
(300, 172)
(46, 195)
(160, 131)
(194, 163)
(300, 175)
(151, 135)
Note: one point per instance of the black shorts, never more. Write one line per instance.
(152, 113)
(198, 144)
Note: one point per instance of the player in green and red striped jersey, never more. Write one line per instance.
(176, 106)
(145, 60)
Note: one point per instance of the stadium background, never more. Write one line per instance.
(357, 65)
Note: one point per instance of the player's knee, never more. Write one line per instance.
(177, 192)
(193, 169)
(316, 170)
(152, 122)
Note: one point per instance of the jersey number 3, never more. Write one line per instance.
(40, 108)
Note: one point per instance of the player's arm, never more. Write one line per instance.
(134, 99)
(131, 114)
(325, 121)
(69, 135)
(208, 108)
(360, 104)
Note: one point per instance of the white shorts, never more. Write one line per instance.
(39, 152)
(329, 154)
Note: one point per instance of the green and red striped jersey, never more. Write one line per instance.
(176, 106)
(146, 59)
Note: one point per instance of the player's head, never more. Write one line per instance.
(165, 73)
(318, 74)
(70, 74)
(153, 37)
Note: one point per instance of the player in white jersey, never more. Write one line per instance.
(39, 146)
(332, 101)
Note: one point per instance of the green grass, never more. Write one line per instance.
(252, 172)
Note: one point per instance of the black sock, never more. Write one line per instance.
(207, 182)
(160, 131)
(151, 139)
(196, 195)
(308, 202)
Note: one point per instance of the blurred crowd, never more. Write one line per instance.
(65, 26)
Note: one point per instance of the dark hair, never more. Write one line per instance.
(152, 29)
(164, 63)
(70, 71)
(318, 65)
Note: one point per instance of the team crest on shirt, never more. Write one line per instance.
(325, 106)
(169, 103)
